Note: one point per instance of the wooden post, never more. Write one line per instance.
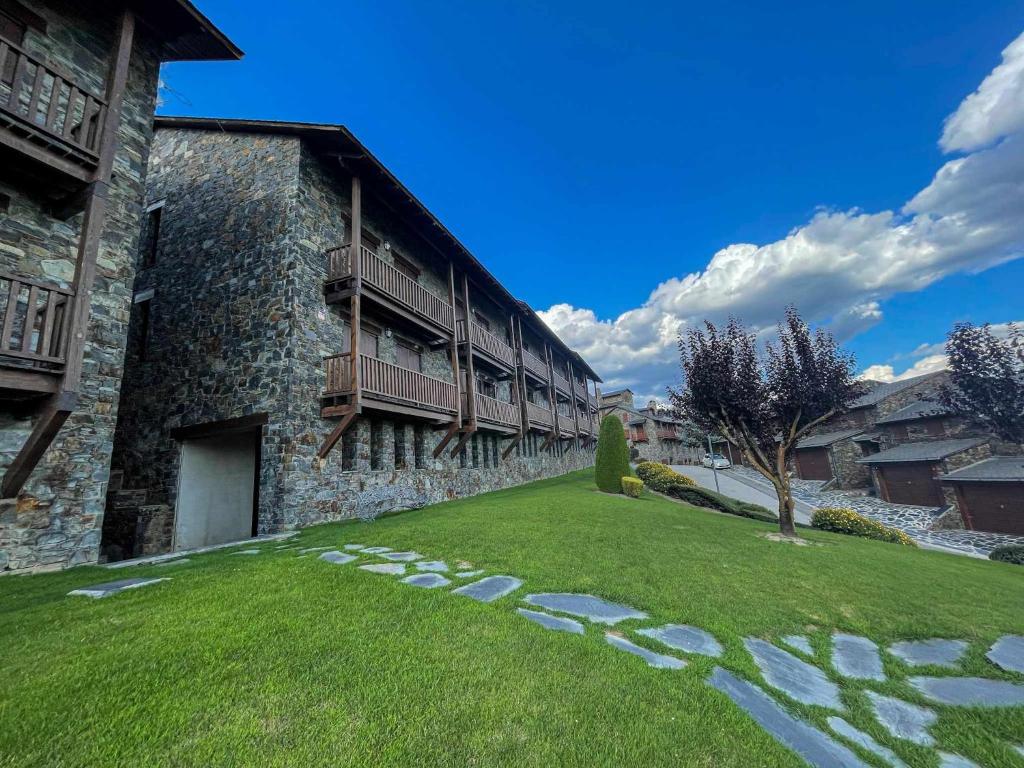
(470, 369)
(590, 412)
(572, 399)
(520, 372)
(356, 266)
(453, 350)
(553, 394)
(516, 396)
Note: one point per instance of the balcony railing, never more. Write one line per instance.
(390, 381)
(535, 365)
(562, 383)
(496, 411)
(580, 388)
(638, 437)
(34, 315)
(40, 100)
(489, 343)
(539, 415)
(388, 280)
(668, 434)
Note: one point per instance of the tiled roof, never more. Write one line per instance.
(995, 469)
(931, 450)
(920, 409)
(883, 391)
(827, 438)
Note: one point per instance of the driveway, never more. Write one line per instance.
(752, 492)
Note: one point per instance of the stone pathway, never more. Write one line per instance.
(114, 587)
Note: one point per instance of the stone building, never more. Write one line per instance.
(309, 343)
(78, 85)
(651, 433)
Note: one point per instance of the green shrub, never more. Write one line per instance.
(840, 520)
(660, 476)
(632, 487)
(1011, 553)
(702, 497)
(612, 462)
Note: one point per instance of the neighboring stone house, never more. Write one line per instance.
(78, 85)
(989, 494)
(652, 434)
(309, 343)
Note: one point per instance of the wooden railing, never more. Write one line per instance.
(535, 365)
(668, 434)
(496, 411)
(539, 414)
(387, 279)
(580, 388)
(39, 97)
(390, 381)
(34, 318)
(489, 343)
(562, 383)
(638, 436)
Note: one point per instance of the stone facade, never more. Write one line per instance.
(56, 520)
(238, 326)
(646, 429)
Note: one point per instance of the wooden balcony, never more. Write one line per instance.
(388, 387)
(46, 116)
(494, 413)
(539, 416)
(566, 427)
(33, 334)
(489, 346)
(562, 384)
(535, 366)
(638, 437)
(579, 388)
(386, 285)
(668, 434)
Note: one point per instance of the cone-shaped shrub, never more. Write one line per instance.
(612, 462)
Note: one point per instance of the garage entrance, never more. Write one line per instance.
(813, 464)
(217, 489)
(911, 483)
(994, 507)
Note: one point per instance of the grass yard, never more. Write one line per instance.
(278, 660)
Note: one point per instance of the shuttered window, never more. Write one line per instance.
(409, 357)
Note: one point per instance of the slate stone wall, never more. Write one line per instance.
(56, 521)
(847, 472)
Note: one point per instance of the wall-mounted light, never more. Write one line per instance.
(387, 245)
(387, 332)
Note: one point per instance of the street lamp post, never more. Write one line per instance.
(714, 469)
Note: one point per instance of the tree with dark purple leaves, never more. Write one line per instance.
(986, 375)
(764, 405)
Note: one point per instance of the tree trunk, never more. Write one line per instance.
(786, 507)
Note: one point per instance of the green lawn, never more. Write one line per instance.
(279, 660)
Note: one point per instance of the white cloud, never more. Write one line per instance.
(838, 266)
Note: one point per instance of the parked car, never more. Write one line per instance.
(716, 461)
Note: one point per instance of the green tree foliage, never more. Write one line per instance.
(612, 456)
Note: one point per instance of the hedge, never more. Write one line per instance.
(841, 520)
(632, 487)
(612, 461)
(1011, 553)
(660, 476)
(702, 497)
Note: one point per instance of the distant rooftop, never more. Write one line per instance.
(827, 438)
(882, 391)
(1007, 469)
(920, 409)
(932, 450)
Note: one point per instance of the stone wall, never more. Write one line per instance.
(56, 522)
(848, 473)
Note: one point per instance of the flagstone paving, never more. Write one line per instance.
(556, 623)
(336, 557)
(113, 587)
(1008, 653)
(794, 677)
(589, 607)
(307, 550)
(490, 588)
(437, 566)
(469, 574)
(167, 563)
(656, 660)
(856, 657)
(354, 546)
(949, 760)
(903, 719)
(404, 557)
(936, 652)
(970, 691)
(247, 552)
(427, 580)
(684, 638)
(799, 643)
(864, 741)
(388, 569)
(375, 550)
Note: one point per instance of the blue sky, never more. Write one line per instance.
(588, 156)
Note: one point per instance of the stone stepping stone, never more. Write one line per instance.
(656, 660)
(354, 546)
(375, 550)
(490, 589)
(307, 550)
(1008, 653)
(388, 569)
(589, 607)
(180, 561)
(404, 557)
(864, 741)
(970, 691)
(469, 574)
(796, 678)
(426, 580)
(685, 638)
(949, 760)
(336, 557)
(557, 623)
(902, 719)
(816, 747)
(113, 587)
(435, 566)
(799, 643)
(856, 657)
(936, 652)
(246, 552)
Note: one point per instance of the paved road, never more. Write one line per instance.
(748, 491)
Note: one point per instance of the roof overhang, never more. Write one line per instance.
(186, 33)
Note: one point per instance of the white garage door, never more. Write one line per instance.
(215, 490)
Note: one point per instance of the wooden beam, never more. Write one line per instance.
(470, 369)
(453, 346)
(222, 427)
(336, 433)
(453, 430)
(355, 256)
(515, 441)
(466, 435)
(48, 424)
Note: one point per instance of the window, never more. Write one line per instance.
(486, 385)
(142, 327)
(368, 337)
(482, 321)
(150, 235)
(405, 266)
(11, 29)
(409, 356)
(369, 241)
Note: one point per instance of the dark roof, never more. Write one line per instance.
(995, 469)
(920, 409)
(868, 437)
(634, 422)
(827, 438)
(186, 33)
(339, 142)
(882, 391)
(931, 450)
(613, 392)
